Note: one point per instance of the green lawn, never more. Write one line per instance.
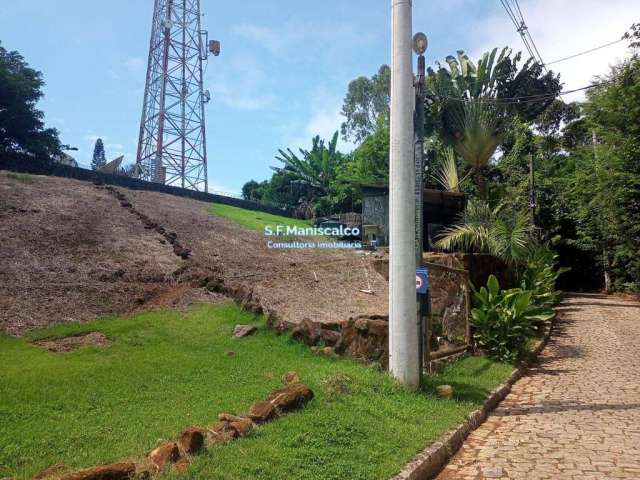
(168, 370)
(253, 220)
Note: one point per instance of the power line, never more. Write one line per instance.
(586, 51)
(532, 98)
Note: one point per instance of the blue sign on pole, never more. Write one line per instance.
(422, 280)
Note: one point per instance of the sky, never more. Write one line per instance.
(284, 68)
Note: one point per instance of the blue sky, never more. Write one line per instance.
(284, 67)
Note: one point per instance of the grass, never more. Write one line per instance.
(20, 177)
(252, 219)
(168, 370)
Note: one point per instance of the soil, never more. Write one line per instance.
(73, 342)
(73, 251)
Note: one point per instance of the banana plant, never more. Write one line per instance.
(316, 167)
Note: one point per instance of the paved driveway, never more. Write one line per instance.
(577, 414)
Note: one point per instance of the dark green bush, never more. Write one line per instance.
(503, 320)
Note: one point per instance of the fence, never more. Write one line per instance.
(448, 332)
(37, 166)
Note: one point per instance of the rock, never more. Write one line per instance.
(53, 470)
(182, 464)
(244, 330)
(191, 440)
(165, 453)
(116, 471)
(262, 412)
(291, 397)
(227, 417)
(445, 391)
(307, 331)
(144, 472)
(215, 285)
(290, 377)
(242, 426)
(492, 472)
(330, 337)
(180, 251)
(327, 351)
(221, 437)
(366, 338)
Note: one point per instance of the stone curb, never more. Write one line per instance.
(430, 462)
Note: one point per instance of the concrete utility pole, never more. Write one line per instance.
(404, 338)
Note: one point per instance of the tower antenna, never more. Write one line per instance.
(172, 147)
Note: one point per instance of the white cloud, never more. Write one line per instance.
(243, 85)
(265, 37)
(324, 119)
(561, 28)
(134, 65)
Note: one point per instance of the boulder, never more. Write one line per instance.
(366, 338)
(329, 337)
(307, 331)
(244, 330)
(445, 391)
(182, 464)
(327, 351)
(290, 377)
(221, 437)
(227, 417)
(191, 440)
(116, 471)
(291, 397)
(53, 470)
(166, 453)
(242, 426)
(262, 412)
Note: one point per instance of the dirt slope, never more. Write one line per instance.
(71, 252)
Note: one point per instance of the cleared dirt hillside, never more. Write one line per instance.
(73, 251)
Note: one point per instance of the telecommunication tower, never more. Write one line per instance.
(172, 144)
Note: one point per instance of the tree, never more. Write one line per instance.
(471, 107)
(21, 123)
(99, 157)
(317, 167)
(366, 103)
(497, 231)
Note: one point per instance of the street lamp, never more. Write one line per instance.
(420, 44)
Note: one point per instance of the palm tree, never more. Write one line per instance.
(497, 231)
(475, 133)
(317, 167)
(446, 173)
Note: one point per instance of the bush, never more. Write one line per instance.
(540, 275)
(504, 320)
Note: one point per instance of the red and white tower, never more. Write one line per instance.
(172, 147)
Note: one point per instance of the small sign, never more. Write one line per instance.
(422, 280)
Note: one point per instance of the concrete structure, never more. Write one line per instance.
(404, 331)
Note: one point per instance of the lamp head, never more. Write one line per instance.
(420, 43)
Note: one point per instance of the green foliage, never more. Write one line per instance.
(498, 231)
(317, 167)
(167, 370)
(99, 158)
(22, 128)
(503, 320)
(446, 171)
(540, 275)
(366, 104)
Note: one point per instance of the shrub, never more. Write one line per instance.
(540, 275)
(504, 320)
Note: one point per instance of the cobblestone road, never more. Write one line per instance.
(576, 415)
